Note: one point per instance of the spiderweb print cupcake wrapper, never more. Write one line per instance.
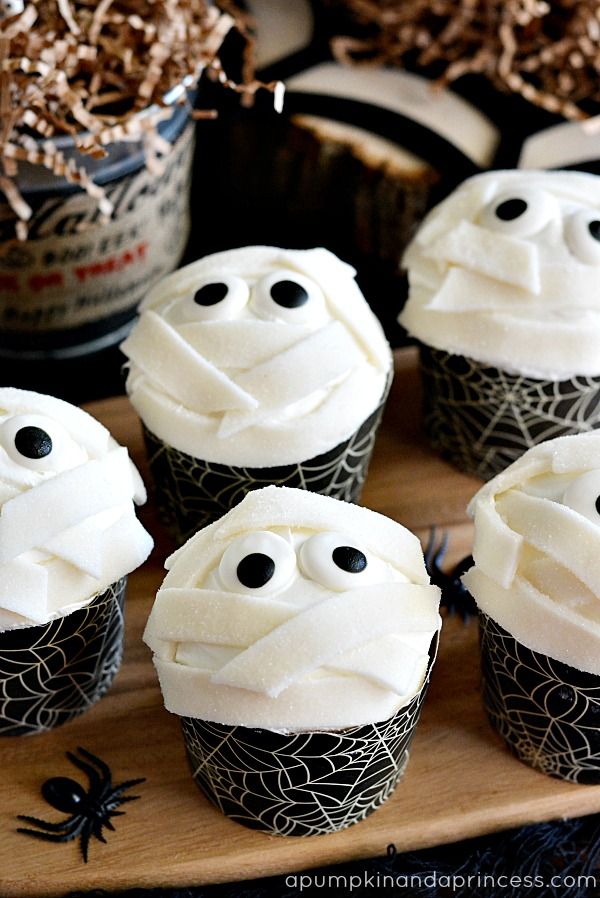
(482, 418)
(53, 672)
(547, 712)
(191, 493)
(302, 784)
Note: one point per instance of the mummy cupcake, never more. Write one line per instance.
(295, 639)
(536, 582)
(504, 299)
(68, 538)
(256, 366)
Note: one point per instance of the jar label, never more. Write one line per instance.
(75, 272)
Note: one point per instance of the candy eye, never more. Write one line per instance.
(214, 299)
(583, 496)
(259, 563)
(335, 561)
(521, 213)
(287, 296)
(39, 443)
(582, 233)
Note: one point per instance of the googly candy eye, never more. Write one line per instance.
(335, 561)
(583, 496)
(260, 563)
(214, 299)
(287, 296)
(520, 213)
(582, 234)
(40, 444)
(10, 8)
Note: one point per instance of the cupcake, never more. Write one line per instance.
(256, 366)
(536, 582)
(503, 298)
(68, 538)
(295, 639)
(355, 160)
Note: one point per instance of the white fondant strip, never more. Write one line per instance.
(165, 357)
(211, 616)
(240, 344)
(555, 530)
(562, 145)
(504, 258)
(38, 515)
(304, 643)
(496, 548)
(388, 662)
(24, 589)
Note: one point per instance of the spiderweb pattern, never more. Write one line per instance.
(300, 784)
(483, 419)
(191, 493)
(53, 672)
(547, 712)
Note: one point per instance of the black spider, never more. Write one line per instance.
(455, 596)
(89, 811)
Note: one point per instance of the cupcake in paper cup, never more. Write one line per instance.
(536, 581)
(295, 639)
(251, 367)
(68, 538)
(504, 300)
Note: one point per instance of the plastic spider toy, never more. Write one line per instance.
(455, 597)
(89, 810)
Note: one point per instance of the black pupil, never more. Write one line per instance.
(511, 209)
(211, 294)
(594, 229)
(289, 294)
(598, 504)
(255, 570)
(349, 559)
(33, 442)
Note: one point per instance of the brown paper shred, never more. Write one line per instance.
(99, 70)
(548, 52)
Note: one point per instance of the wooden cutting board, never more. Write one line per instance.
(461, 780)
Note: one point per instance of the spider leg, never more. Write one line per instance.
(66, 836)
(96, 782)
(115, 794)
(100, 764)
(85, 840)
(47, 825)
(97, 830)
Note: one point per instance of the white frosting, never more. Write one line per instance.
(246, 381)
(569, 143)
(67, 522)
(311, 646)
(537, 550)
(520, 294)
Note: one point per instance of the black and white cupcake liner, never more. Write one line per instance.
(482, 418)
(192, 493)
(547, 712)
(302, 784)
(53, 672)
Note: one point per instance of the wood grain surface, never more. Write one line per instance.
(461, 780)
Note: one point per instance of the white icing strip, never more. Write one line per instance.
(562, 145)
(303, 644)
(91, 488)
(507, 259)
(165, 357)
(556, 530)
(327, 703)
(240, 344)
(574, 643)
(211, 616)
(496, 548)
(388, 662)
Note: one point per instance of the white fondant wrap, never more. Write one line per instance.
(67, 522)
(520, 294)
(537, 550)
(257, 389)
(305, 656)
